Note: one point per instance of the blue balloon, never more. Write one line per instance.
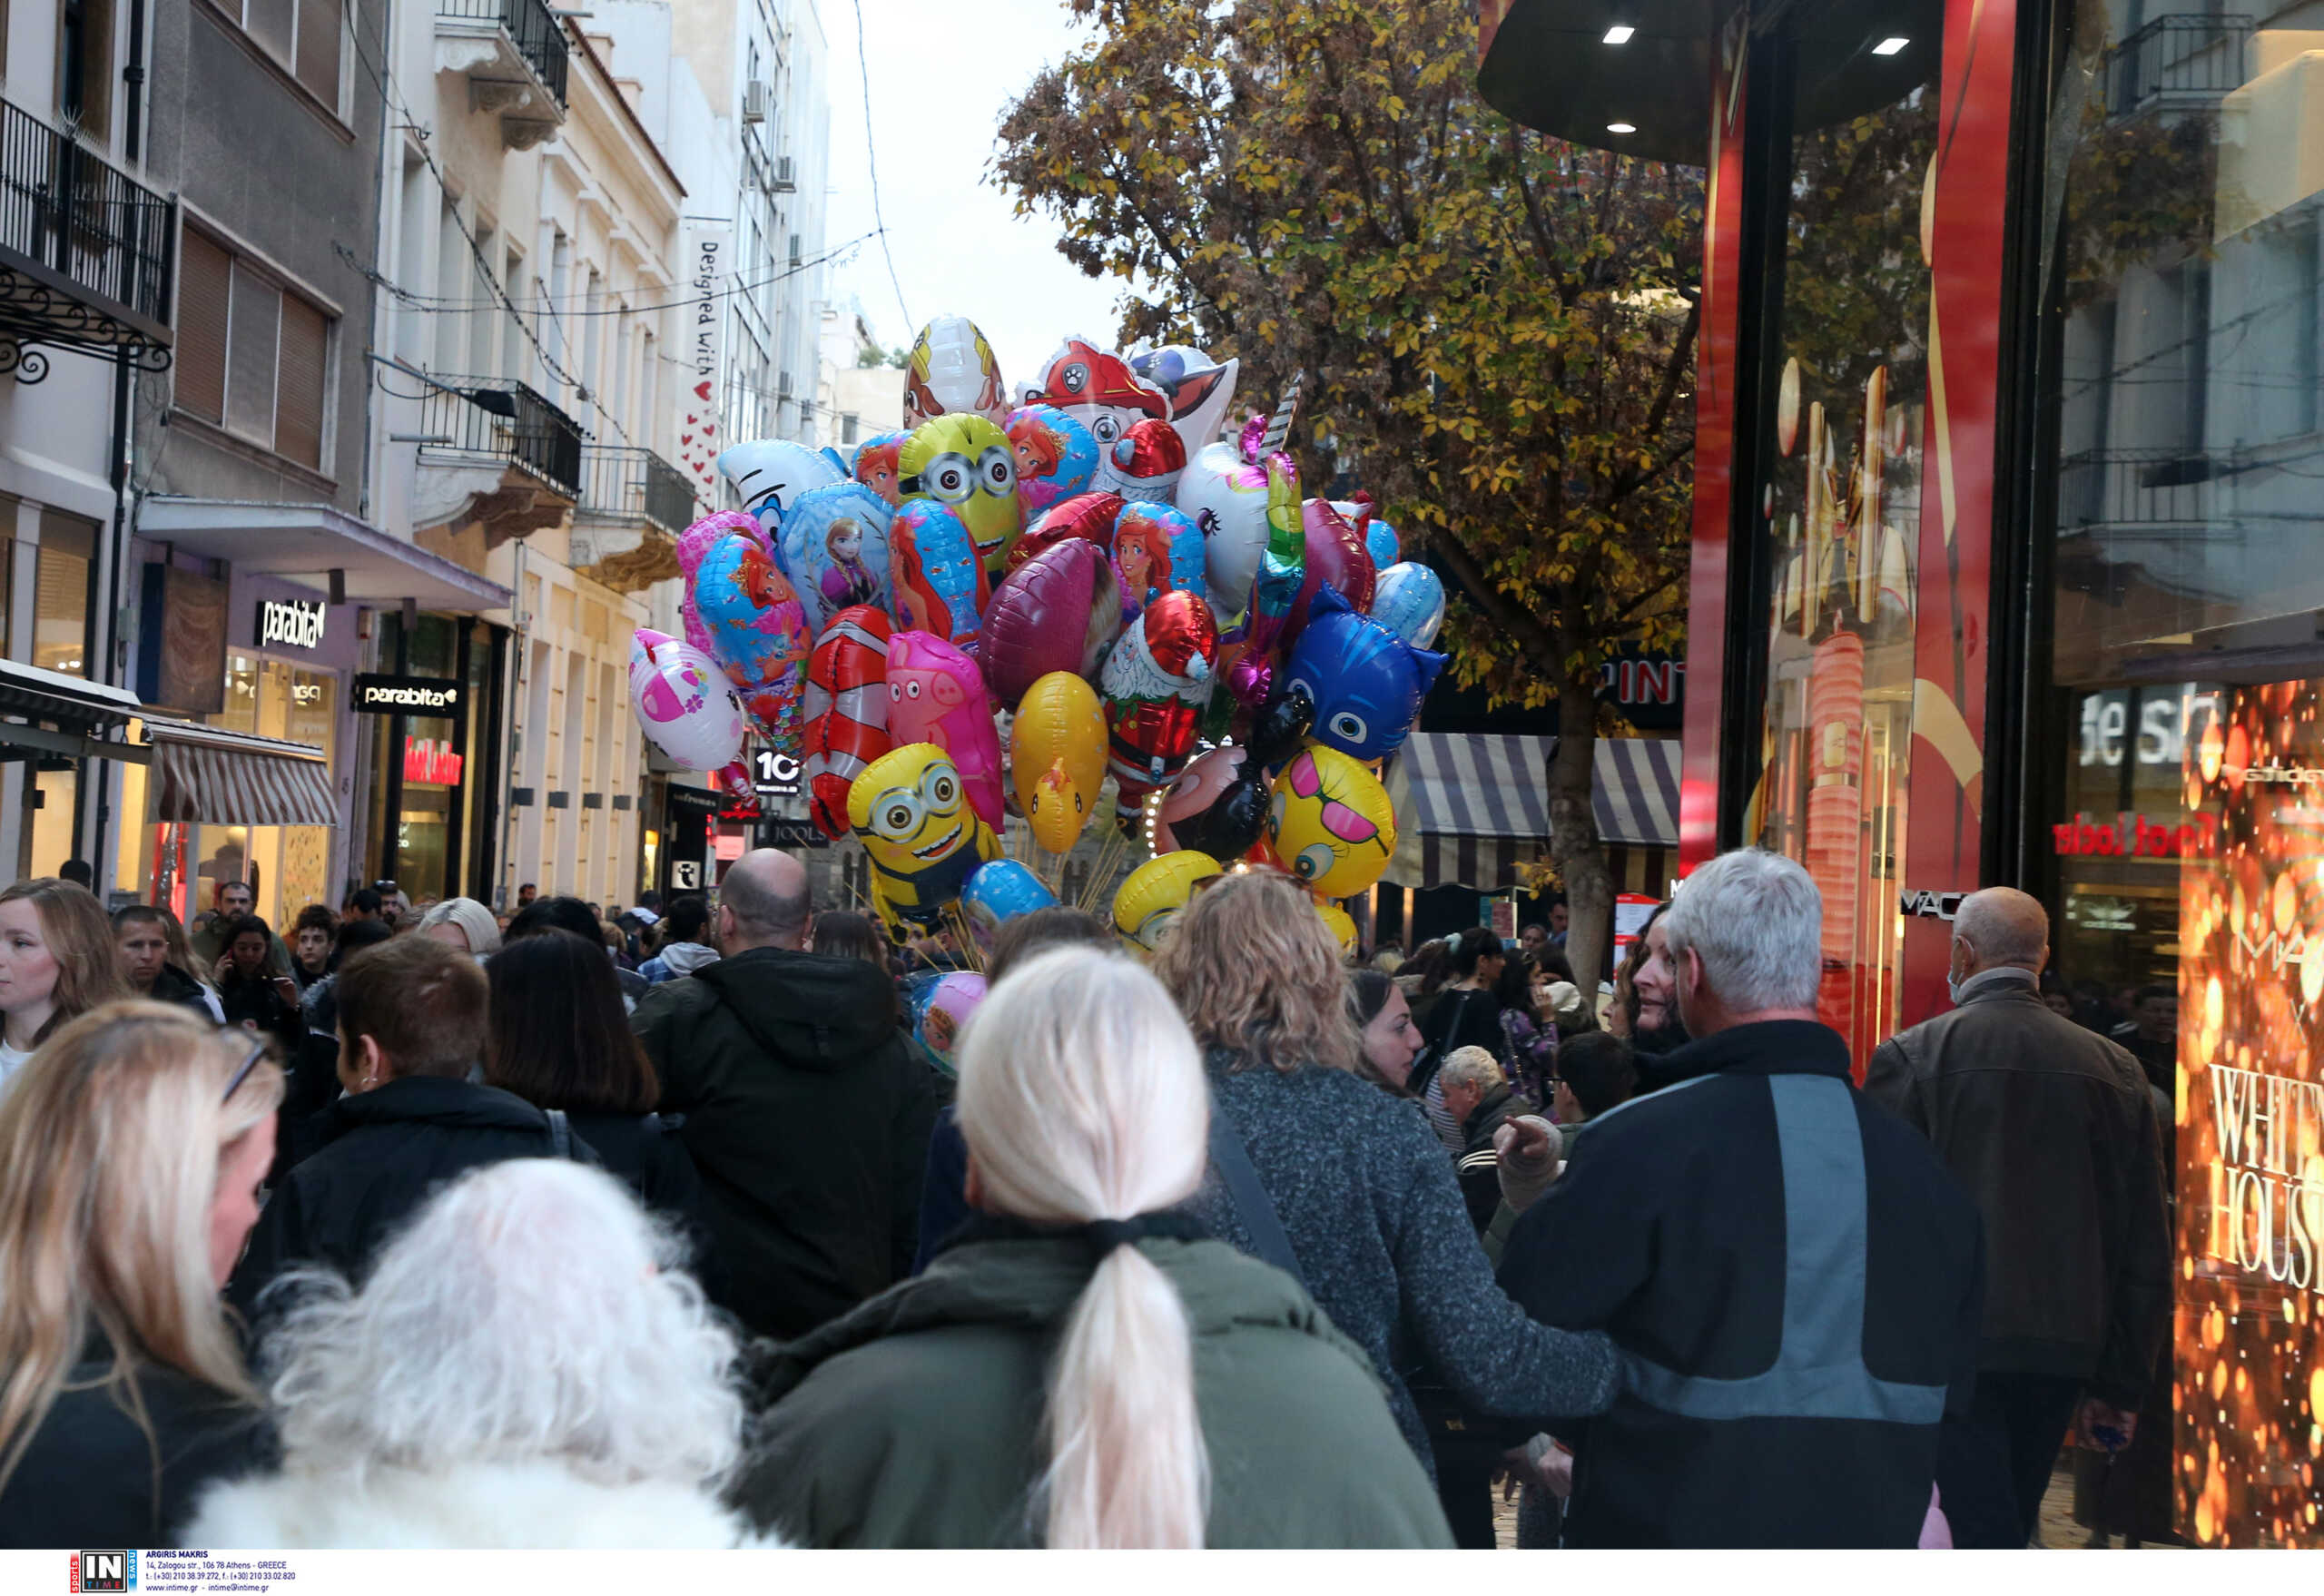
(1408, 600)
(1000, 890)
(1381, 543)
(1365, 682)
(835, 549)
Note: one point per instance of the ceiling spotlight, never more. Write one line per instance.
(1621, 127)
(1891, 46)
(1619, 34)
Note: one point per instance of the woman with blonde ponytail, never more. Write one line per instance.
(1080, 1367)
(131, 1146)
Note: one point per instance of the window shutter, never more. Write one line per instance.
(317, 68)
(251, 357)
(204, 272)
(298, 393)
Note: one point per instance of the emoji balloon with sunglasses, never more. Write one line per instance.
(1332, 824)
(912, 813)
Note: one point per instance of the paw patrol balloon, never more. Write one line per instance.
(923, 839)
(1097, 388)
(965, 464)
(1153, 895)
(1332, 824)
(835, 546)
(1199, 390)
(1056, 456)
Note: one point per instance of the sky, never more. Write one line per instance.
(940, 74)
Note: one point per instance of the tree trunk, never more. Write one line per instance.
(1574, 832)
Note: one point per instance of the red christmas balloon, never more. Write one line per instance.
(1087, 516)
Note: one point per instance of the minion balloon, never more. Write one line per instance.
(1152, 895)
(965, 463)
(910, 811)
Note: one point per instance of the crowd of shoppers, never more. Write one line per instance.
(652, 1226)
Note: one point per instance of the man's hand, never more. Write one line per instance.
(1526, 1149)
(2103, 1427)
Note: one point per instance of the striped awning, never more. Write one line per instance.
(1472, 807)
(232, 778)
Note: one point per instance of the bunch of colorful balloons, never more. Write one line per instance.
(1092, 578)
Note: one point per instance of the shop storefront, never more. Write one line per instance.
(433, 794)
(2007, 456)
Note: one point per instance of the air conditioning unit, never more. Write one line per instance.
(786, 181)
(797, 259)
(758, 102)
(782, 386)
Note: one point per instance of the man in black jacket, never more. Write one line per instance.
(2054, 1132)
(411, 1029)
(1791, 1277)
(806, 1114)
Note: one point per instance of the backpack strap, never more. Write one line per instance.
(560, 1133)
(1232, 1156)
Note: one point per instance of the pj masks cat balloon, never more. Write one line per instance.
(965, 464)
(1365, 682)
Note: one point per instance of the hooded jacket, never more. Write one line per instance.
(915, 1420)
(172, 985)
(382, 1154)
(1792, 1283)
(505, 1506)
(807, 1117)
(676, 960)
(2053, 1131)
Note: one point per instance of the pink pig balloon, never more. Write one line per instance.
(936, 694)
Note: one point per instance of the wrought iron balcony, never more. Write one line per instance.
(633, 485)
(86, 253)
(2184, 60)
(515, 56)
(2138, 488)
(497, 419)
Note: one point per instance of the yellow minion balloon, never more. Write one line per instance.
(965, 463)
(925, 842)
(1152, 894)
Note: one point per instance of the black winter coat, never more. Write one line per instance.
(90, 1476)
(173, 985)
(807, 1117)
(1480, 1168)
(382, 1153)
(1792, 1281)
(2052, 1131)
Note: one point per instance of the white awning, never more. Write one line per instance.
(232, 778)
(308, 542)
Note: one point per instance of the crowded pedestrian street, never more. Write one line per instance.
(1295, 776)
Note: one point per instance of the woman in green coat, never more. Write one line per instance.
(1080, 1368)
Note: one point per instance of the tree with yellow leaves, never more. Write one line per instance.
(1495, 329)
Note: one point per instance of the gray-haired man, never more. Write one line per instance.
(1791, 1277)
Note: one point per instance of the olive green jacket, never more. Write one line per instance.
(915, 1420)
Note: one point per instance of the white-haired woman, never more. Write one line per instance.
(131, 1144)
(1078, 1369)
(524, 1366)
(463, 924)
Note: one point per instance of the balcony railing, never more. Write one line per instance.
(85, 251)
(2192, 59)
(635, 485)
(2138, 488)
(531, 25)
(494, 419)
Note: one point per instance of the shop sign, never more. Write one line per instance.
(2133, 836)
(685, 875)
(429, 761)
(1925, 904)
(791, 834)
(777, 774)
(427, 695)
(295, 622)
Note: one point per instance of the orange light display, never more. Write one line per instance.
(2249, 1457)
